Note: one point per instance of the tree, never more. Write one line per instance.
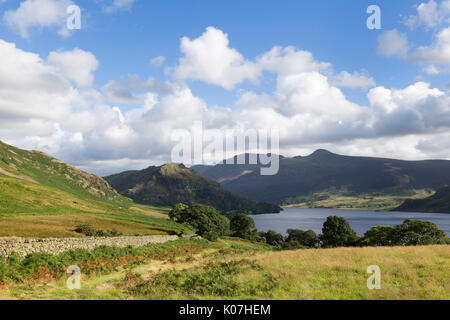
(243, 226)
(305, 238)
(418, 232)
(336, 232)
(174, 214)
(379, 236)
(273, 238)
(205, 220)
(292, 245)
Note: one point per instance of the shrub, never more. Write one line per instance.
(305, 238)
(90, 231)
(273, 238)
(292, 245)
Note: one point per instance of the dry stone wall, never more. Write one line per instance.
(58, 245)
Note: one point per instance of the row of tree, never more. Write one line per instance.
(336, 231)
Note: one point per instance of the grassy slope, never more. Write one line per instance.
(36, 185)
(363, 202)
(438, 202)
(251, 271)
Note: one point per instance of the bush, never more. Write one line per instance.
(305, 238)
(292, 245)
(90, 231)
(273, 238)
(336, 232)
(379, 236)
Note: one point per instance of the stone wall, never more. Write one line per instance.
(58, 245)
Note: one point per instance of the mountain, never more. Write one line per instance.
(172, 183)
(45, 197)
(439, 203)
(324, 171)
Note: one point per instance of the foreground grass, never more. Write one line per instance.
(238, 269)
(360, 202)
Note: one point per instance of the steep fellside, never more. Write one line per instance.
(439, 203)
(324, 171)
(172, 183)
(41, 196)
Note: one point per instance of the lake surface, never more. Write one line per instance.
(360, 220)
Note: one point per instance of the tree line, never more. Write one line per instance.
(207, 222)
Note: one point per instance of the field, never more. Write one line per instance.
(341, 200)
(238, 269)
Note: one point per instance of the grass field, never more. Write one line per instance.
(238, 269)
(340, 200)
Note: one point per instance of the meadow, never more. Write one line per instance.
(238, 269)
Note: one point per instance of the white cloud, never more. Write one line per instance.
(41, 109)
(118, 5)
(210, 59)
(76, 65)
(393, 43)
(157, 61)
(38, 14)
(438, 52)
(430, 14)
(355, 80)
(133, 89)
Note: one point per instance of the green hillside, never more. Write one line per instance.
(300, 179)
(33, 184)
(439, 203)
(172, 183)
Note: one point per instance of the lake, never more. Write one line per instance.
(360, 220)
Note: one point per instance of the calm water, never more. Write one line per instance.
(360, 220)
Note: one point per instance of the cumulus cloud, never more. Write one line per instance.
(133, 89)
(76, 65)
(355, 80)
(210, 59)
(437, 52)
(430, 14)
(38, 14)
(44, 105)
(393, 43)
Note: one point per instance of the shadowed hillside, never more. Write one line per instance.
(439, 203)
(323, 171)
(172, 183)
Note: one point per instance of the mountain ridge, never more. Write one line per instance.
(322, 171)
(172, 183)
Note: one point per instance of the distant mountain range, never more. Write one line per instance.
(439, 202)
(323, 171)
(174, 183)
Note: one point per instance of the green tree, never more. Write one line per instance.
(379, 236)
(305, 238)
(174, 214)
(336, 232)
(292, 245)
(205, 220)
(273, 238)
(418, 232)
(243, 226)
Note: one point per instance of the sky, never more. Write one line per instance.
(108, 96)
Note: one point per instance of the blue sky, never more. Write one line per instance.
(334, 31)
(125, 40)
